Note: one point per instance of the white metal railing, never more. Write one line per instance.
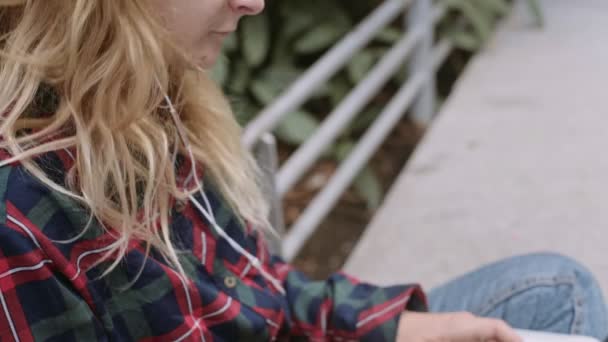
(417, 93)
(354, 102)
(323, 70)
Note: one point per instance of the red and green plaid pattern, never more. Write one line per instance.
(51, 287)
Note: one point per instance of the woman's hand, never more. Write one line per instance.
(453, 327)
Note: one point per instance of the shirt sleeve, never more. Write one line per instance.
(37, 303)
(342, 308)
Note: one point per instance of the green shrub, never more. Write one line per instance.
(272, 49)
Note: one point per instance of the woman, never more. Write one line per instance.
(131, 212)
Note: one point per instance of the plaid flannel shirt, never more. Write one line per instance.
(53, 290)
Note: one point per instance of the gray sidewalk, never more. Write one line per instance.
(515, 161)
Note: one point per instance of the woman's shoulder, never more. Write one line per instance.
(18, 187)
(18, 184)
(26, 200)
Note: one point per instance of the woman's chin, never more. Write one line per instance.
(207, 61)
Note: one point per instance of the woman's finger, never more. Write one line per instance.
(498, 330)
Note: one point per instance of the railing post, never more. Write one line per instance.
(265, 153)
(420, 14)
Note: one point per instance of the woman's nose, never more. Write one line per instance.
(247, 7)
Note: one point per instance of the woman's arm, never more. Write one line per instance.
(343, 308)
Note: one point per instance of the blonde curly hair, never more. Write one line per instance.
(110, 64)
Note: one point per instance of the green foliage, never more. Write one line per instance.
(366, 183)
(469, 23)
(272, 49)
(534, 6)
(297, 127)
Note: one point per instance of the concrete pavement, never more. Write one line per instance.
(514, 163)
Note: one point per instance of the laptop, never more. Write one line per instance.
(535, 336)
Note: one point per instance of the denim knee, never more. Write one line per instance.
(589, 316)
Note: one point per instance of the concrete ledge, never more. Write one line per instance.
(516, 161)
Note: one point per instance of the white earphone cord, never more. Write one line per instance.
(208, 212)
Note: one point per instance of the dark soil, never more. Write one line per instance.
(335, 238)
(328, 249)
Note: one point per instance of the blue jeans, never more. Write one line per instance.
(546, 292)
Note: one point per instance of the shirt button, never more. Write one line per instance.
(180, 206)
(230, 281)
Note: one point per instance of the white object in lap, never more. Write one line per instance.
(535, 336)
